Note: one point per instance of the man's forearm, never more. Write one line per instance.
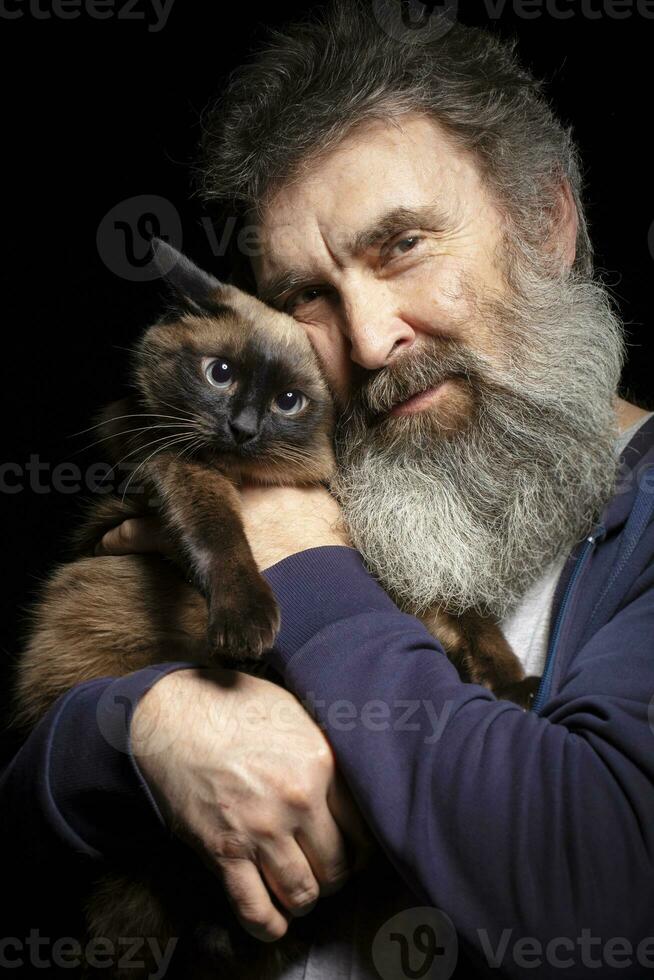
(502, 818)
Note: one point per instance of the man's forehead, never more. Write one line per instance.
(288, 250)
(343, 198)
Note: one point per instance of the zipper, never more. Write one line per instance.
(546, 679)
(639, 518)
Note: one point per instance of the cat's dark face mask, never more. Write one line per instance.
(239, 375)
(246, 399)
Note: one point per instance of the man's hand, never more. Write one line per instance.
(279, 522)
(246, 777)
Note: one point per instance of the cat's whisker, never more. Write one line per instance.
(133, 415)
(159, 449)
(198, 444)
(142, 428)
(176, 408)
(133, 350)
(289, 454)
(188, 435)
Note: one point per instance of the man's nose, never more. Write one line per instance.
(376, 334)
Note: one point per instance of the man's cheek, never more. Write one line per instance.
(452, 309)
(450, 289)
(332, 350)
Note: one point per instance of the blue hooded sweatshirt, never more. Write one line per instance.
(529, 833)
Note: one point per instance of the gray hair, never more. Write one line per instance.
(307, 86)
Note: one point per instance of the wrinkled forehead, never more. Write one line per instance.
(326, 211)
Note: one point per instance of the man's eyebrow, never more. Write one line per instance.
(277, 286)
(396, 220)
(388, 223)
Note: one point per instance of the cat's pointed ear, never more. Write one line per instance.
(188, 283)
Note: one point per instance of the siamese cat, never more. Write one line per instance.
(224, 389)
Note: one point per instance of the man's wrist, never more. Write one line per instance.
(273, 554)
(94, 792)
(284, 521)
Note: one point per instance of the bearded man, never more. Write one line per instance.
(418, 209)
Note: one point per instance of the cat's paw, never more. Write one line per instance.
(521, 692)
(243, 625)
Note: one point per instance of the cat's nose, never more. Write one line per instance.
(244, 426)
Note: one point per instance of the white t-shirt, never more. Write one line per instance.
(527, 627)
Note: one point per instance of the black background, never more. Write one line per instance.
(97, 111)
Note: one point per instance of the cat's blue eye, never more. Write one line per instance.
(218, 372)
(290, 402)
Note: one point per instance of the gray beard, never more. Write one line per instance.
(468, 517)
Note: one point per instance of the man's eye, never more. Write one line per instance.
(405, 245)
(305, 296)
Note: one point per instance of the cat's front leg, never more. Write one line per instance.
(478, 649)
(494, 663)
(202, 509)
(243, 614)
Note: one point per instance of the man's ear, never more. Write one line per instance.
(196, 288)
(562, 237)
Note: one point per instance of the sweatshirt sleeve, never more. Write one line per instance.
(520, 827)
(74, 786)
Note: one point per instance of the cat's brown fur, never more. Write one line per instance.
(477, 648)
(112, 615)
